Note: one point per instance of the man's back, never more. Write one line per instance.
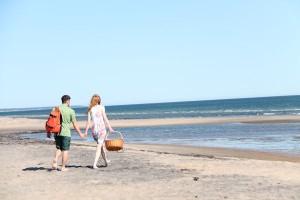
(63, 140)
(68, 117)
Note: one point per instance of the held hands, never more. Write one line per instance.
(83, 136)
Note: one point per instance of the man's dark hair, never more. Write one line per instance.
(65, 98)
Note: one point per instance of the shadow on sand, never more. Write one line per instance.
(37, 169)
(50, 169)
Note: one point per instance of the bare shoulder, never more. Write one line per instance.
(102, 107)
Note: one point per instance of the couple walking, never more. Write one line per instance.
(96, 116)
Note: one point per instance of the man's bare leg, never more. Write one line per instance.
(55, 159)
(64, 161)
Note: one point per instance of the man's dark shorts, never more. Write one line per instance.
(62, 142)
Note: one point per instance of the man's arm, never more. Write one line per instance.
(76, 127)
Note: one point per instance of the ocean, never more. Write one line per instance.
(264, 106)
(282, 138)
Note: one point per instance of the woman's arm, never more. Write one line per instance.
(106, 120)
(88, 123)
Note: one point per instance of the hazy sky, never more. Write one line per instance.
(147, 51)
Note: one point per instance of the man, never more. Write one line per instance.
(63, 139)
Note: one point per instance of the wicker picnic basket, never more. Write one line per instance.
(114, 144)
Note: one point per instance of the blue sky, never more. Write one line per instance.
(147, 51)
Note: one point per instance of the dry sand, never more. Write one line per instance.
(143, 171)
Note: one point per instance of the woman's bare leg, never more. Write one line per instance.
(103, 153)
(98, 151)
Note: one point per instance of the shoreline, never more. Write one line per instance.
(205, 152)
(15, 126)
(182, 150)
(214, 152)
(190, 151)
(27, 124)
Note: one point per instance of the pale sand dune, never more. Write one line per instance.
(22, 124)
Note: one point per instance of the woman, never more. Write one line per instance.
(96, 114)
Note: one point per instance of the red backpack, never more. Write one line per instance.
(53, 124)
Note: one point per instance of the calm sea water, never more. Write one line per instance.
(281, 138)
(284, 138)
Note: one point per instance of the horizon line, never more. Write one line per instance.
(82, 106)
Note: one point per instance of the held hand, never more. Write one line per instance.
(111, 130)
(83, 136)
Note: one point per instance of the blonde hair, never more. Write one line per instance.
(95, 100)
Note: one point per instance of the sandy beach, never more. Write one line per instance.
(145, 171)
(204, 94)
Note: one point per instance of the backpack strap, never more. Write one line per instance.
(57, 109)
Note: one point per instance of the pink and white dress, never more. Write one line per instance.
(98, 129)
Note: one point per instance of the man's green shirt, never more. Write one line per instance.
(68, 117)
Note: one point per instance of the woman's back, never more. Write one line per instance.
(97, 118)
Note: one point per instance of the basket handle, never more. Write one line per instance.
(117, 132)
